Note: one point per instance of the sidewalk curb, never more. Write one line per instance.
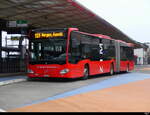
(12, 74)
(11, 81)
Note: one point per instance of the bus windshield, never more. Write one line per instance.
(49, 51)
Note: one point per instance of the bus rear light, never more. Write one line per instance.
(64, 71)
(30, 71)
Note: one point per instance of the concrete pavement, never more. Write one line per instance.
(126, 93)
(132, 97)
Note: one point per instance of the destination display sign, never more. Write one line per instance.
(49, 35)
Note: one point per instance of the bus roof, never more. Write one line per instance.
(107, 37)
(104, 36)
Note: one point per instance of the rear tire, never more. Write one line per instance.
(127, 70)
(111, 69)
(86, 72)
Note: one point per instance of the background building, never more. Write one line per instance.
(148, 52)
(142, 55)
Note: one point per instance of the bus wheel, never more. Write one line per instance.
(30, 79)
(111, 69)
(127, 70)
(86, 72)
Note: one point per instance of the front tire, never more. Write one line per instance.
(85, 72)
(30, 79)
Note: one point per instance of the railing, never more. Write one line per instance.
(13, 65)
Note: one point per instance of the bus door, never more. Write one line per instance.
(126, 56)
(107, 49)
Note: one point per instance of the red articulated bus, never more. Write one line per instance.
(69, 53)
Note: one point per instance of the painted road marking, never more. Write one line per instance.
(116, 81)
(11, 81)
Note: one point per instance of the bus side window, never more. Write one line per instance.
(96, 49)
(109, 49)
(74, 48)
(129, 53)
(85, 46)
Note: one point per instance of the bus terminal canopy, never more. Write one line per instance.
(59, 14)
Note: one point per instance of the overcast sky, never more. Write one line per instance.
(130, 16)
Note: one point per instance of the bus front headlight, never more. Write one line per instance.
(64, 71)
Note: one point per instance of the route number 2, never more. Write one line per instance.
(101, 48)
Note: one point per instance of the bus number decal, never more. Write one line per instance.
(101, 48)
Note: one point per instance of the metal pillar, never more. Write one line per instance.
(117, 47)
(0, 50)
(0, 44)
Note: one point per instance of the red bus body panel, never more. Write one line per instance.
(77, 70)
(125, 64)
